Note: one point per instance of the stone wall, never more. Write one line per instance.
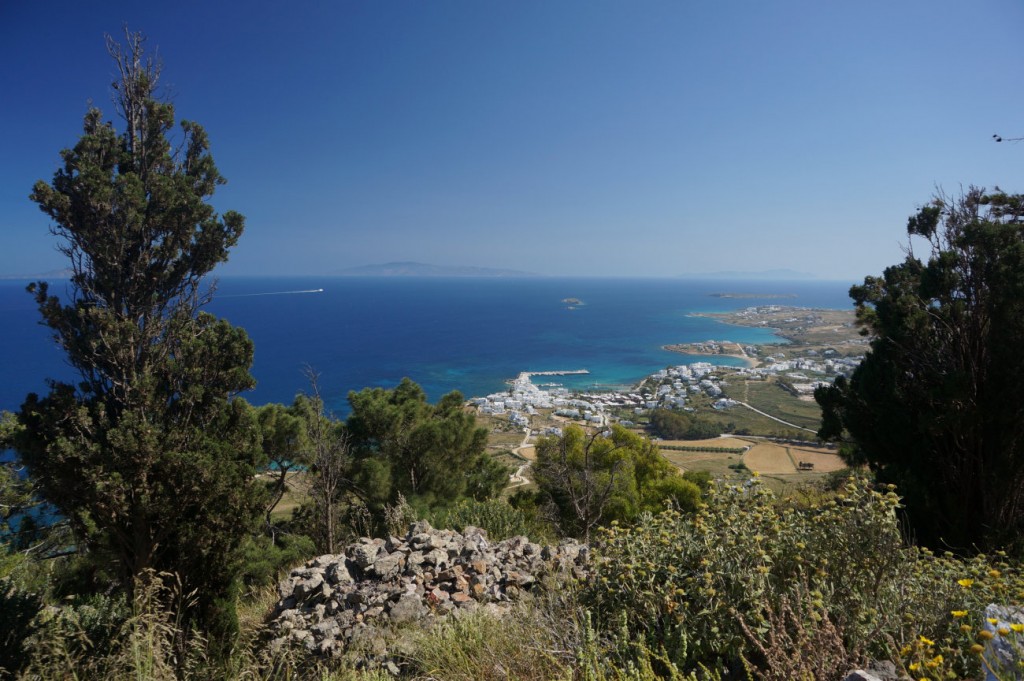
(334, 601)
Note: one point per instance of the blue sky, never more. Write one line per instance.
(561, 137)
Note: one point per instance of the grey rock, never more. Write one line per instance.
(364, 554)
(307, 586)
(1003, 653)
(338, 602)
(389, 566)
(337, 572)
(408, 608)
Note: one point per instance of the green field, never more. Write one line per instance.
(770, 398)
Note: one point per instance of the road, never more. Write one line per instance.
(775, 418)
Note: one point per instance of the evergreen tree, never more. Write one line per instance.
(286, 449)
(431, 453)
(148, 454)
(937, 406)
(594, 478)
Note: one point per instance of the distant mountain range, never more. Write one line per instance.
(420, 269)
(764, 274)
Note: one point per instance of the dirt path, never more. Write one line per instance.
(517, 479)
(776, 418)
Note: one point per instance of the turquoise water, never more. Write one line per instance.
(446, 334)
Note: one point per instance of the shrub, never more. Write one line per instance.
(17, 610)
(499, 518)
(750, 581)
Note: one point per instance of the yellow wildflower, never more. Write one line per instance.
(994, 574)
(977, 649)
(1003, 631)
(914, 666)
(959, 613)
(1018, 628)
(985, 635)
(993, 621)
(965, 583)
(927, 642)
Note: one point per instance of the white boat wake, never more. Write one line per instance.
(272, 293)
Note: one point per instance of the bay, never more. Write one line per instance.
(467, 334)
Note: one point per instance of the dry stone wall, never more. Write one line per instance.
(334, 601)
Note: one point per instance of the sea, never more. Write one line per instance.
(465, 334)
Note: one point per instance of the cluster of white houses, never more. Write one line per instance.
(667, 388)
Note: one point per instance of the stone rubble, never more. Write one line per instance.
(337, 601)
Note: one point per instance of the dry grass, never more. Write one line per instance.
(714, 442)
(717, 464)
(294, 496)
(771, 458)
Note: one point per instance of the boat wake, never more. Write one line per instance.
(273, 293)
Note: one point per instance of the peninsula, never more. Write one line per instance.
(801, 330)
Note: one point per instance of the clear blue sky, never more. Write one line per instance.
(562, 137)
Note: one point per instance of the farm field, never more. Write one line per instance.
(770, 398)
(715, 462)
(771, 458)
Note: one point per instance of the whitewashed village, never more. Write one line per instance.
(668, 388)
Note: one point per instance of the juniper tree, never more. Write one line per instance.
(148, 454)
(937, 405)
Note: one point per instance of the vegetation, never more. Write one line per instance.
(597, 478)
(674, 425)
(152, 461)
(787, 590)
(748, 586)
(429, 454)
(937, 407)
(147, 455)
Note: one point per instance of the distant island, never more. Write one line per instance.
(419, 269)
(572, 301)
(752, 295)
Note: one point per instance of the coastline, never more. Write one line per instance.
(688, 349)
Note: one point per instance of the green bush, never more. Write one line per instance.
(262, 560)
(17, 610)
(791, 590)
(499, 518)
(673, 425)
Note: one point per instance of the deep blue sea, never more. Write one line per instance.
(446, 334)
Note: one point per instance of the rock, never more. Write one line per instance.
(877, 670)
(1003, 653)
(389, 566)
(342, 602)
(364, 554)
(307, 586)
(884, 670)
(408, 608)
(337, 572)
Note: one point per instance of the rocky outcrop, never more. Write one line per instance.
(335, 601)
